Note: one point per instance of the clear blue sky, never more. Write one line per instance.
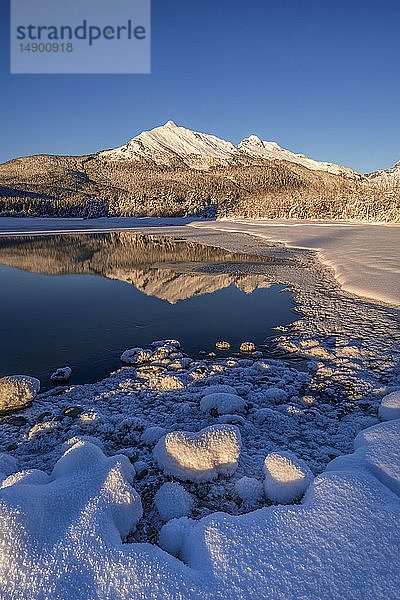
(316, 76)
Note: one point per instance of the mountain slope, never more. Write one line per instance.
(386, 177)
(173, 171)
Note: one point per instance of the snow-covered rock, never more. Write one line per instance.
(17, 392)
(286, 478)
(390, 407)
(199, 456)
(135, 356)
(275, 394)
(247, 347)
(174, 343)
(249, 490)
(222, 345)
(222, 402)
(60, 375)
(217, 389)
(232, 419)
(151, 435)
(173, 501)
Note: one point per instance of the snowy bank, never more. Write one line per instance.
(62, 531)
(364, 256)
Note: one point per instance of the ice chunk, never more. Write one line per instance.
(60, 375)
(199, 456)
(173, 501)
(286, 477)
(17, 392)
(390, 407)
(223, 403)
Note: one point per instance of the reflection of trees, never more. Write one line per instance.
(165, 267)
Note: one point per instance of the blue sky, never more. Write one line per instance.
(318, 77)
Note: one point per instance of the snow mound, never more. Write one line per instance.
(60, 375)
(199, 456)
(135, 356)
(56, 530)
(286, 477)
(17, 392)
(390, 407)
(223, 403)
(377, 451)
(151, 435)
(173, 501)
(249, 490)
(340, 543)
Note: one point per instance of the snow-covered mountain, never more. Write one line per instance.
(171, 142)
(254, 147)
(386, 177)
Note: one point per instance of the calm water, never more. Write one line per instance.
(82, 299)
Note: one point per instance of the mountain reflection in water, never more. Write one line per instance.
(65, 300)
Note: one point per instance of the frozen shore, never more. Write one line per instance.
(341, 542)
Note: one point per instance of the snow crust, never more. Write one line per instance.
(200, 456)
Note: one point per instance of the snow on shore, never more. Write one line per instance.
(364, 256)
(61, 533)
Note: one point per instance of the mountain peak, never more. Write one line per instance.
(253, 139)
(166, 144)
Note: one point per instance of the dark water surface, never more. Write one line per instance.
(80, 300)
